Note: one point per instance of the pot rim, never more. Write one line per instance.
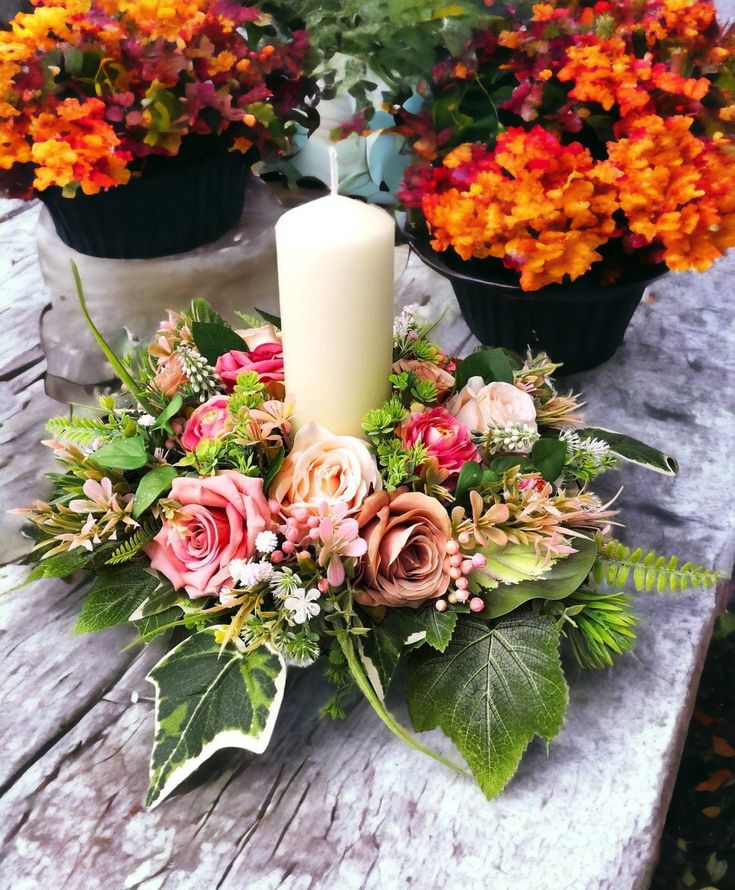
(420, 245)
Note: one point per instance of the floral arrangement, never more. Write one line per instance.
(90, 88)
(461, 537)
(569, 135)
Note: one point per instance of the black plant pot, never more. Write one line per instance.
(175, 204)
(581, 324)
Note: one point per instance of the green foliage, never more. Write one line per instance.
(417, 388)
(556, 583)
(116, 594)
(79, 429)
(345, 694)
(208, 698)
(616, 562)
(213, 339)
(548, 456)
(492, 690)
(469, 479)
(248, 393)
(490, 364)
(632, 450)
(151, 487)
(130, 547)
(381, 650)
(61, 565)
(599, 626)
(122, 454)
(438, 626)
(383, 421)
(398, 464)
(201, 311)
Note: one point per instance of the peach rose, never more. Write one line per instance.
(323, 468)
(219, 519)
(406, 562)
(442, 380)
(210, 421)
(480, 405)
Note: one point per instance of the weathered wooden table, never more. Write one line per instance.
(346, 805)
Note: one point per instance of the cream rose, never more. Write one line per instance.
(480, 405)
(325, 468)
(255, 337)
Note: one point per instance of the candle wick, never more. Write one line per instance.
(333, 171)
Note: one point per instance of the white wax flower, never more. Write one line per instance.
(302, 605)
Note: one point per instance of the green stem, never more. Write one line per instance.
(365, 686)
(117, 365)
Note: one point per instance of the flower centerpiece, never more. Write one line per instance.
(134, 121)
(566, 156)
(461, 536)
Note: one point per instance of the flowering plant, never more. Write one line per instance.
(567, 133)
(91, 88)
(461, 537)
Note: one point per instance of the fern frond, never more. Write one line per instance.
(78, 429)
(616, 563)
(131, 546)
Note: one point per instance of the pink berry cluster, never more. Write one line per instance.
(460, 566)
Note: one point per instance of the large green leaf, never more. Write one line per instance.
(213, 339)
(153, 484)
(633, 451)
(208, 699)
(60, 565)
(492, 690)
(439, 626)
(490, 364)
(116, 594)
(561, 580)
(548, 457)
(381, 649)
(122, 454)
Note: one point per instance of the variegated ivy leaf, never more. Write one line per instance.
(494, 688)
(207, 699)
(507, 565)
(632, 450)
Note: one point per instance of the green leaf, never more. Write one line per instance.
(633, 451)
(564, 577)
(207, 699)
(470, 477)
(114, 597)
(122, 454)
(381, 649)
(490, 364)
(491, 691)
(548, 457)
(170, 411)
(213, 339)
(154, 625)
(201, 310)
(270, 319)
(61, 565)
(153, 484)
(439, 626)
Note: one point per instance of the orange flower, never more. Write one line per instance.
(675, 188)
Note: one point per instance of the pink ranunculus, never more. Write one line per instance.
(210, 421)
(264, 355)
(219, 520)
(406, 562)
(447, 440)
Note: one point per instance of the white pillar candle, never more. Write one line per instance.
(335, 277)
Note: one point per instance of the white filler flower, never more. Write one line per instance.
(266, 542)
(302, 605)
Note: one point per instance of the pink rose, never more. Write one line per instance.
(480, 405)
(264, 355)
(447, 440)
(210, 421)
(442, 379)
(406, 562)
(219, 519)
(323, 468)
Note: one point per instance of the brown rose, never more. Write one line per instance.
(406, 562)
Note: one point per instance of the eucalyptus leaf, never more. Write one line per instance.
(493, 365)
(116, 593)
(150, 487)
(207, 699)
(122, 454)
(632, 450)
(492, 690)
(213, 339)
(564, 577)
